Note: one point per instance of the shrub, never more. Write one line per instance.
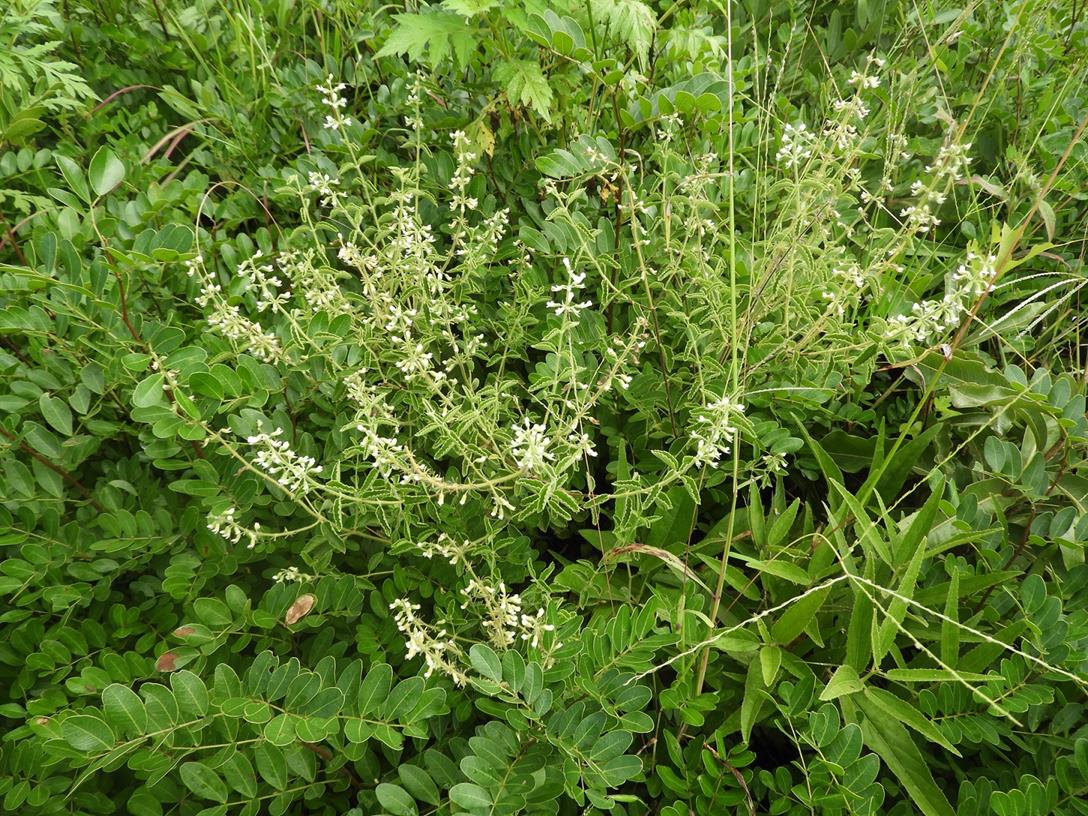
(511, 409)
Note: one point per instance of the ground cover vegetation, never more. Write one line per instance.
(498, 406)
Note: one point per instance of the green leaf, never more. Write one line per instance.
(469, 8)
(469, 796)
(280, 730)
(375, 687)
(190, 692)
(525, 84)
(239, 773)
(885, 633)
(795, 618)
(395, 800)
(950, 630)
(934, 676)
(908, 715)
(106, 171)
(754, 696)
(845, 680)
(889, 739)
(770, 658)
(86, 733)
(922, 523)
(827, 465)
(203, 781)
(124, 709)
(485, 661)
(149, 392)
(271, 765)
(429, 37)
(73, 174)
(56, 413)
(419, 783)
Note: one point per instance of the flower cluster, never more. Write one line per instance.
(501, 610)
(445, 548)
(292, 575)
(849, 282)
(534, 627)
(259, 277)
(384, 451)
(530, 445)
(797, 145)
(227, 318)
(462, 174)
(226, 525)
(326, 187)
(930, 319)
(949, 167)
(575, 282)
(435, 647)
(716, 430)
(294, 473)
(330, 92)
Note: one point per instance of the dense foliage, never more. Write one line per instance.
(497, 407)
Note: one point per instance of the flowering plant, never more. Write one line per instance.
(488, 408)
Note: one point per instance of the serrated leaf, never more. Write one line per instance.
(429, 37)
(524, 83)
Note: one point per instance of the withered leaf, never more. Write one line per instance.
(299, 609)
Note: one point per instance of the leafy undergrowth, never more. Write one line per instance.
(494, 407)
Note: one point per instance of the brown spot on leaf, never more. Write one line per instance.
(167, 662)
(299, 609)
(184, 631)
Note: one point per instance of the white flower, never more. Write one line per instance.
(863, 80)
(567, 305)
(444, 548)
(226, 525)
(533, 628)
(419, 640)
(716, 430)
(293, 472)
(385, 451)
(976, 275)
(530, 445)
(230, 322)
(292, 575)
(331, 97)
(325, 186)
(502, 610)
(797, 142)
